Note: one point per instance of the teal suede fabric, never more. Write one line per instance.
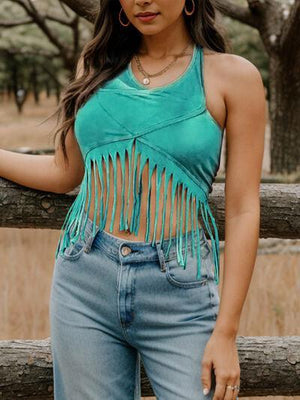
(169, 127)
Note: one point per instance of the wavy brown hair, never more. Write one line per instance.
(111, 48)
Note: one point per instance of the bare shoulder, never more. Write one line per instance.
(238, 69)
(237, 74)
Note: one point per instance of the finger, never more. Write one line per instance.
(206, 375)
(236, 391)
(230, 394)
(220, 389)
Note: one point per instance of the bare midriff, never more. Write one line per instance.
(126, 234)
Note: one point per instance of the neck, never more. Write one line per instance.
(170, 41)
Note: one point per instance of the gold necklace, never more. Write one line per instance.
(147, 76)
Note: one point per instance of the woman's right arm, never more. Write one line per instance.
(46, 172)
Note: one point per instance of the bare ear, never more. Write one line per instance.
(79, 68)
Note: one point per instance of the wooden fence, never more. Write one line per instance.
(269, 365)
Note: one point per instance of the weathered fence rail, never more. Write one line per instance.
(269, 365)
(22, 207)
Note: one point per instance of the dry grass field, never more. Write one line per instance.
(27, 258)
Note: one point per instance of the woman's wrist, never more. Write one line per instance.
(226, 330)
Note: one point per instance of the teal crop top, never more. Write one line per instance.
(172, 129)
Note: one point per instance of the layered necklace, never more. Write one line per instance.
(147, 76)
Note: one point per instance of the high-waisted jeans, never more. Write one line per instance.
(115, 302)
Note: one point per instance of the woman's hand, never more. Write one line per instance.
(221, 354)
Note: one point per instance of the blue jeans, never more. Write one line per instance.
(115, 302)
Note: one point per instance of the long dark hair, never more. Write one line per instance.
(111, 48)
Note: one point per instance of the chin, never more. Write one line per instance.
(149, 30)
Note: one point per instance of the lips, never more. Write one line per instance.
(147, 17)
(147, 14)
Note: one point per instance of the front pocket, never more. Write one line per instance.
(73, 251)
(187, 277)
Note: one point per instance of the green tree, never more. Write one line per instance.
(39, 44)
(277, 23)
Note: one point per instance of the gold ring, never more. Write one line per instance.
(233, 387)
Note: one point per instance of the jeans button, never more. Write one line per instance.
(125, 250)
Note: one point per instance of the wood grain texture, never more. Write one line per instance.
(269, 366)
(22, 207)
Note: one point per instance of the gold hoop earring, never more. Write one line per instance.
(190, 12)
(120, 18)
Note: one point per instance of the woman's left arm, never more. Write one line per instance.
(244, 97)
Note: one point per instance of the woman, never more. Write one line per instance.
(157, 91)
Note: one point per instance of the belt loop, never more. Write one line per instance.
(204, 235)
(89, 243)
(89, 236)
(161, 256)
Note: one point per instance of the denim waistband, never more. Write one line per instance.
(141, 250)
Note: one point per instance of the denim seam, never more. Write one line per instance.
(137, 391)
(185, 285)
(72, 257)
(114, 257)
(109, 254)
(118, 302)
(191, 284)
(161, 256)
(132, 305)
(211, 298)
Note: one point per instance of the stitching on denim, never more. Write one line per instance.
(132, 305)
(137, 392)
(211, 298)
(72, 257)
(185, 285)
(118, 305)
(109, 254)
